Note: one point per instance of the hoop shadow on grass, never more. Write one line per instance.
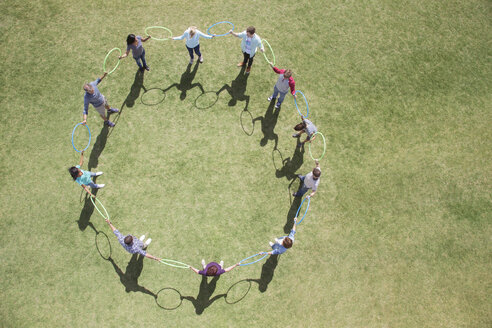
(238, 291)
(267, 273)
(153, 96)
(244, 118)
(168, 298)
(237, 89)
(86, 213)
(129, 278)
(103, 245)
(206, 100)
(185, 82)
(204, 298)
(268, 123)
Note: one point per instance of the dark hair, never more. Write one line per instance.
(211, 271)
(287, 242)
(316, 172)
(128, 240)
(130, 39)
(251, 30)
(300, 126)
(74, 172)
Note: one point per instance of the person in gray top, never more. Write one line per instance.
(95, 98)
(134, 43)
(305, 126)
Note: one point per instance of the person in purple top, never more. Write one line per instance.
(213, 268)
(134, 43)
(282, 244)
(95, 98)
(131, 244)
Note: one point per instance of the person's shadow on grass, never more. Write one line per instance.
(86, 213)
(267, 272)
(185, 82)
(237, 89)
(292, 214)
(129, 278)
(203, 300)
(268, 122)
(98, 148)
(291, 165)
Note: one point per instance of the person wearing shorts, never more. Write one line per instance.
(213, 268)
(250, 42)
(95, 98)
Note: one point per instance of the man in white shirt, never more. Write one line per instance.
(310, 181)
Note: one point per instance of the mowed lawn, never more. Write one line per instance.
(398, 235)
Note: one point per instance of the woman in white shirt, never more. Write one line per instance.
(192, 36)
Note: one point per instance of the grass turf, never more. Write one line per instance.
(398, 234)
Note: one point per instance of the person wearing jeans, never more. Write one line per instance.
(192, 36)
(134, 43)
(309, 181)
(84, 178)
(284, 82)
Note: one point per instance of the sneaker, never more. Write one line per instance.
(295, 135)
(147, 243)
(241, 64)
(277, 106)
(294, 194)
(147, 68)
(270, 98)
(221, 263)
(191, 61)
(248, 69)
(99, 186)
(113, 110)
(109, 123)
(142, 238)
(201, 59)
(203, 263)
(98, 174)
(270, 243)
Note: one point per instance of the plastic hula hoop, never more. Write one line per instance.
(271, 50)
(305, 99)
(107, 56)
(309, 201)
(73, 145)
(224, 22)
(162, 28)
(324, 146)
(97, 208)
(175, 264)
(265, 254)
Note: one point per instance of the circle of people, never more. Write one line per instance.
(249, 45)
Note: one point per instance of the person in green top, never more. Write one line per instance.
(84, 178)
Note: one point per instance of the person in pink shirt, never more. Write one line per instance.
(284, 82)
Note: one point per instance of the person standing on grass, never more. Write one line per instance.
(306, 126)
(309, 181)
(131, 244)
(95, 98)
(284, 82)
(282, 244)
(192, 36)
(83, 178)
(250, 42)
(213, 268)
(134, 43)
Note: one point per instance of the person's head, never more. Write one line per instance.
(74, 172)
(128, 240)
(192, 31)
(287, 73)
(287, 243)
(299, 127)
(130, 39)
(250, 31)
(211, 271)
(88, 88)
(316, 173)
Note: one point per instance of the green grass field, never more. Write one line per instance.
(398, 235)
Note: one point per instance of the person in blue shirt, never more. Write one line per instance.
(282, 244)
(95, 98)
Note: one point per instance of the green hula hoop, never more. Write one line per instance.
(162, 28)
(324, 146)
(175, 264)
(107, 215)
(107, 56)
(271, 50)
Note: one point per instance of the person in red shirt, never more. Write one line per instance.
(284, 82)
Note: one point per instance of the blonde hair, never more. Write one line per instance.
(192, 30)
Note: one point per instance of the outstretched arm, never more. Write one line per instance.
(235, 34)
(81, 158)
(143, 40)
(194, 269)
(231, 267)
(152, 257)
(102, 77)
(125, 54)
(88, 190)
(110, 224)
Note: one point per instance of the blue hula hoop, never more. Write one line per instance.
(309, 201)
(89, 137)
(307, 106)
(265, 254)
(224, 22)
